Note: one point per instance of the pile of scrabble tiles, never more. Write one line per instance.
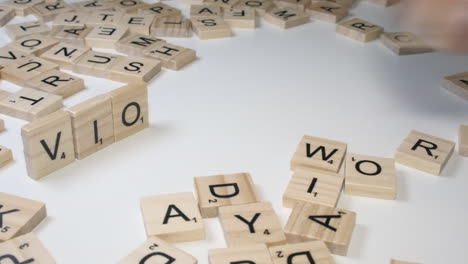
(315, 230)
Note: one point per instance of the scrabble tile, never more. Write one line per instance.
(71, 34)
(359, 30)
(154, 249)
(463, 141)
(211, 27)
(48, 144)
(137, 23)
(23, 7)
(96, 64)
(48, 11)
(403, 43)
(424, 152)
(57, 82)
(77, 19)
(314, 252)
(135, 44)
(255, 223)
(30, 104)
(4, 94)
(19, 215)
(6, 14)
(328, 11)
(93, 125)
(105, 36)
(129, 69)
(257, 254)
(260, 6)
(286, 17)
(171, 26)
(64, 54)
(130, 109)
(224, 4)
(313, 186)
(10, 55)
(160, 10)
(16, 31)
(173, 217)
(173, 57)
(93, 5)
(344, 3)
(25, 69)
(205, 10)
(128, 6)
(34, 44)
(319, 153)
(2, 123)
(25, 249)
(5, 153)
(240, 18)
(457, 84)
(392, 261)
(369, 176)
(384, 2)
(104, 18)
(222, 190)
(298, 4)
(317, 222)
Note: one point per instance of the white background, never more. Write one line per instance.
(244, 106)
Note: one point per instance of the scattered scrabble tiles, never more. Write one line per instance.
(5, 153)
(135, 44)
(257, 254)
(128, 69)
(211, 27)
(240, 18)
(403, 43)
(457, 84)
(35, 44)
(314, 252)
(155, 249)
(359, 30)
(328, 11)
(286, 17)
(105, 36)
(25, 249)
(6, 14)
(424, 152)
(65, 55)
(137, 23)
(369, 176)
(172, 57)
(463, 141)
(104, 18)
(317, 222)
(25, 69)
(96, 64)
(255, 223)
(16, 31)
(222, 190)
(93, 125)
(19, 215)
(205, 10)
(313, 186)
(319, 153)
(172, 26)
(57, 82)
(173, 217)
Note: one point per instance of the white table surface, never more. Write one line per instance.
(244, 106)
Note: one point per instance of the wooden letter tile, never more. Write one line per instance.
(457, 84)
(255, 223)
(128, 69)
(34, 44)
(5, 153)
(93, 125)
(205, 10)
(16, 31)
(344, 3)
(57, 82)
(128, 6)
(328, 11)
(313, 186)
(25, 249)
(424, 152)
(137, 23)
(10, 55)
(172, 26)
(359, 30)
(48, 11)
(105, 36)
(64, 54)
(392, 261)
(157, 249)
(74, 35)
(260, 6)
(77, 19)
(317, 222)
(135, 44)
(48, 144)
(173, 57)
(6, 14)
(160, 10)
(298, 4)
(370, 177)
(130, 109)
(384, 2)
(257, 254)
(19, 215)
(314, 252)
(211, 27)
(240, 18)
(96, 64)
(286, 17)
(319, 153)
(104, 18)
(403, 43)
(463, 141)
(222, 190)
(94, 5)
(25, 69)
(173, 217)
(23, 7)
